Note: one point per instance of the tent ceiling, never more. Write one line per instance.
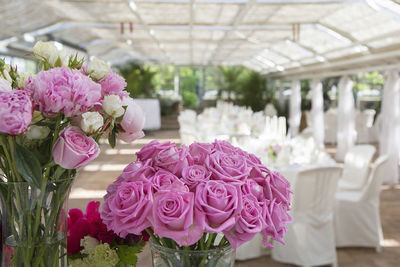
(333, 36)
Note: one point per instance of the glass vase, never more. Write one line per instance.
(168, 257)
(34, 223)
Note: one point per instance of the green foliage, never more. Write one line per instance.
(232, 79)
(128, 254)
(369, 80)
(251, 91)
(139, 79)
(28, 166)
(190, 99)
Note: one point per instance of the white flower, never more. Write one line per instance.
(89, 243)
(37, 132)
(46, 51)
(112, 105)
(22, 78)
(98, 69)
(5, 86)
(91, 122)
(6, 74)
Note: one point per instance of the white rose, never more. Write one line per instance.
(98, 69)
(5, 86)
(112, 105)
(89, 243)
(91, 122)
(6, 75)
(37, 132)
(46, 51)
(22, 78)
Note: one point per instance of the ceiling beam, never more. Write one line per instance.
(313, 69)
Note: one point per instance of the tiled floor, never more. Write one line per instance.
(92, 181)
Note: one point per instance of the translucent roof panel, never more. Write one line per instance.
(282, 38)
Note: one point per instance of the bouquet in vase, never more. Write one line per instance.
(202, 198)
(90, 244)
(50, 126)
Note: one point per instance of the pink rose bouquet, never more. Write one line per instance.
(88, 240)
(50, 127)
(185, 196)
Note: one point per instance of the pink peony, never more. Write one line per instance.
(173, 217)
(126, 211)
(5, 86)
(133, 122)
(15, 112)
(193, 175)
(113, 84)
(227, 167)
(150, 150)
(173, 159)
(63, 90)
(74, 149)
(217, 205)
(249, 223)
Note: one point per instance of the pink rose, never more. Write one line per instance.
(225, 146)
(227, 167)
(74, 149)
(280, 188)
(173, 159)
(133, 121)
(15, 112)
(138, 170)
(127, 210)
(217, 205)
(162, 180)
(63, 90)
(113, 84)
(276, 217)
(249, 223)
(251, 187)
(173, 217)
(200, 152)
(150, 150)
(193, 175)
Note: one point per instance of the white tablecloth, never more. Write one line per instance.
(151, 108)
(254, 248)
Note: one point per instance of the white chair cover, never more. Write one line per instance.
(310, 238)
(346, 113)
(295, 109)
(356, 168)
(317, 114)
(389, 143)
(357, 220)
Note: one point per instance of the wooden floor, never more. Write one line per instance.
(93, 180)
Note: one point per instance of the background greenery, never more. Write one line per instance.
(231, 83)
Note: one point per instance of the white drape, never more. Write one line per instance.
(295, 109)
(389, 143)
(346, 116)
(317, 113)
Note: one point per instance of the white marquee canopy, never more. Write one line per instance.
(281, 38)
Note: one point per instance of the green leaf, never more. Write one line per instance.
(127, 254)
(58, 62)
(28, 166)
(112, 138)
